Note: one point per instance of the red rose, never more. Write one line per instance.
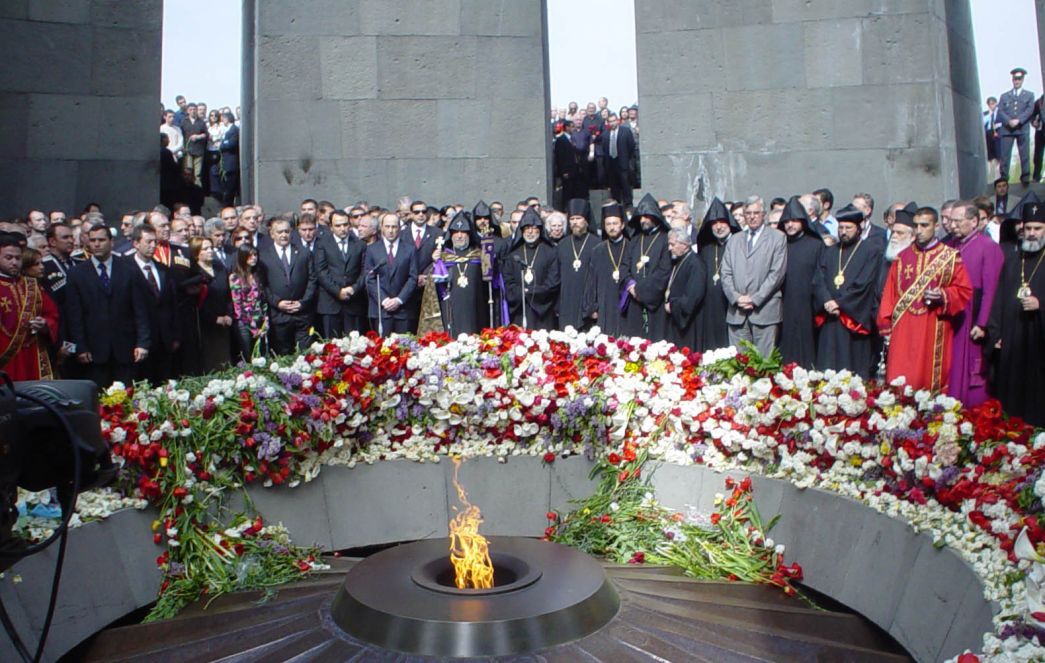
(549, 457)
(613, 458)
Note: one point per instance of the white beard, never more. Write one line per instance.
(893, 250)
(1032, 246)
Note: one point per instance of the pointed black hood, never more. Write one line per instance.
(483, 211)
(796, 211)
(717, 211)
(648, 207)
(462, 221)
(530, 218)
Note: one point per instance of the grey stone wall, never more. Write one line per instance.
(79, 94)
(784, 96)
(443, 100)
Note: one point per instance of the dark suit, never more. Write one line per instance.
(423, 250)
(288, 330)
(618, 170)
(398, 279)
(108, 323)
(230, 164)
(568, 170)
(164, 322)
(1018, 106)
(877, 238)
(336, 270)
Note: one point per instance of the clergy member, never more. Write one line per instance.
(926, 289)
(458, 275)
(685, 290)
(574, 253)
(650, 263)
(804, 246)
(28, 317)
(983, 261)
(1017, 323)
(715, 230)
(845, 291)
(608, 271)
(531, 275)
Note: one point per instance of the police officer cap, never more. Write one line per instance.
(1019, 71)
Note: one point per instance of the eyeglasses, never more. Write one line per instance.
(357, 216)
(417, 211)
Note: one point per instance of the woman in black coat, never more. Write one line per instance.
(214, 305)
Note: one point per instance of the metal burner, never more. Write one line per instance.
(544, 594)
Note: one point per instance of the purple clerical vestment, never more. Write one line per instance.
(983, 260)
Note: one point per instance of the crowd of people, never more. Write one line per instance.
(950, 297)
(595, 148)
(199, 154)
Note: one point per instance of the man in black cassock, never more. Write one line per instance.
(685, 290)
(804, 246)
(1017, 322)
(574, 254)
(458, 275)
(531, 275)
(608, 271)
(715, 230)
(847, 296)
(650, 263)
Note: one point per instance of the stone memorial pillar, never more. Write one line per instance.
(80, 100)
(445, 100)
(783, 96)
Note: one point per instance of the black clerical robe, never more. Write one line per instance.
(463, 296)
(608, 272)
(712, 332)
(650, 263)
(539, 291)
(574, 254)
(684, 294)
(797, 332)
(1020, 383)
(846, 340)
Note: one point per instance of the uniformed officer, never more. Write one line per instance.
(1014, 113)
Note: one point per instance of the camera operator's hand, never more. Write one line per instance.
(84, 358)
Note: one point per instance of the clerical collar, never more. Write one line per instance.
(797, 236)
(7, 277)
(928, 246)
(618, 239)
(652, 230)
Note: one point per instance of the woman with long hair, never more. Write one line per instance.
(214, 305)
(249, 308)
(212, 159)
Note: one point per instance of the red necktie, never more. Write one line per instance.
(417, 240)
(391, 253)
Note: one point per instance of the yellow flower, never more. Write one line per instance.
(885, 448)
(631, 367)
(856, 461)
(163, 461)
(340, 388)
(115, 397)
(155, 525)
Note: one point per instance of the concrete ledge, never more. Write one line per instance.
(929, 599)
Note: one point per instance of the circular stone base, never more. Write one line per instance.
(399, 599)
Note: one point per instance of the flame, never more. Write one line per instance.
(469, 550)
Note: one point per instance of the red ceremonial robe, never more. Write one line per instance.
(23, 354)
(920, 336)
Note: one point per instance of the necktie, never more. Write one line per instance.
(103, 275)
(151, 278)
(417, 239)
(286, 261)
(613, 144)
(750, 240)
(391, 253)
(344, 247)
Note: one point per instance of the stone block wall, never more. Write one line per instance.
(79, 93)
(443, 100)
(777, 97)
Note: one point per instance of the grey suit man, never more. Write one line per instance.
(1015, 109)
(753, 269)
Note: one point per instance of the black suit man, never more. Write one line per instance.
(423, 237)
(339, 271)
(108, 316)
(230, 164)
(1015, 109)
(619, 148)
(391, 263)
(567, 168)
(159, 288)
(289, 280)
